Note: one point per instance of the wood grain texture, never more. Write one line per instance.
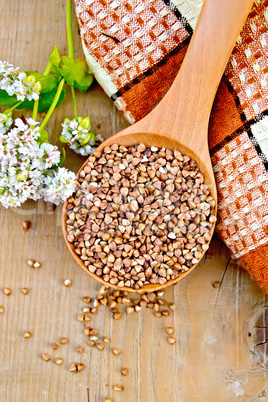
(215, 357)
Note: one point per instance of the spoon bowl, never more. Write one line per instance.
(129, 139)
(180, 120)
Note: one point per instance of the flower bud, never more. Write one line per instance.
(84, 140)
(66, 120)
(21, 177)
(63, 139)
(30, 80)
(92, 139)
(38, 86)
(3, 118)
(85, 123)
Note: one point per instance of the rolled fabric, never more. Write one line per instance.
(135, 49)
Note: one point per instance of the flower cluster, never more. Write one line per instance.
(16, 82)
(76, 133)
(28, 168)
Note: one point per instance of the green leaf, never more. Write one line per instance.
(54, 58)
(67, 73)
(43, 136)
(75, 71)
(6, 100)
(45, 101)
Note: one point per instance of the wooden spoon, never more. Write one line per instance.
(180, 120)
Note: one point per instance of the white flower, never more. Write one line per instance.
(60, 186)
(5, 123)
(21, 125)
(16, 82)
(25, 167)
(51, 154)
(78, 136)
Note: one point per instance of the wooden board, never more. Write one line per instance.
(220, 353)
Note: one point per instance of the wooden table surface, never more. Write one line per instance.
(220, 353)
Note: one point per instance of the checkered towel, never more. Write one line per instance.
(135, 49)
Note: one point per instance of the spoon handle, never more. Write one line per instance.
(211, 45)
(183, 113)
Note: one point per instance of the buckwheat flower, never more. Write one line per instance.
(60, 186)
(51, 155)
(16, 82)
(5, 122)
(21, 125)
(27, 168)
(33, 88)
(77, 134)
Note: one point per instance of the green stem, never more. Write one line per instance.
(36, 103)
(69, 28)
(35, 109)
(71, 46)
(53, 104)
(13, 107)
(48, 69)
(74, 103)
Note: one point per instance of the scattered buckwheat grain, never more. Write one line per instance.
(118, 387)
(67, 283)
(171, 340)
(46, 357)
(124, 371)
(7, 291)
(26, 225)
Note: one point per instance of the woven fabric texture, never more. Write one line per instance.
(131, 45)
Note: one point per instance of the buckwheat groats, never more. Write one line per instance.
(140, 215)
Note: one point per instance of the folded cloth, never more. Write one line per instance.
(135, 49)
